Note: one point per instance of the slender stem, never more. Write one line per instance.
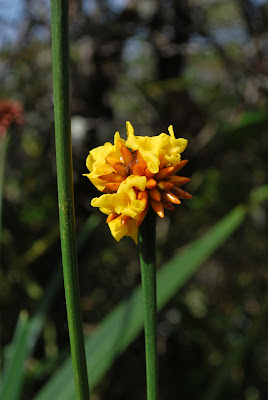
(147, 248)
(3, 151)
(60, 61)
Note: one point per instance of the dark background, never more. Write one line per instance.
(201, 66)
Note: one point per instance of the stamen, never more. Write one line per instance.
(182, 194)
(157, 206)
(111, 217)
(112, 177)
(163, 185)
(179, 166)
(151, 183)
(163, 173)
(178, 180)
(113, 186)
(155, 194)
(168, 196)
(124, 219)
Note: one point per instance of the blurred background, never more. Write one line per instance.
(201, 66)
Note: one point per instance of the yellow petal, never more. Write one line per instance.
(124, 201)
(116, 152)
(106, 203)
(97, 156)
(149, 147)
(116, 138)
(118, 231)
(99, 170)
(131, 181)
(132, 209)
(175, 147)
(97, 164)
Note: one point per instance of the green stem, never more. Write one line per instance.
(147, 248)
(60, 62)
(3, 151)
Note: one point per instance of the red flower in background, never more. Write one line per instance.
(11, 112)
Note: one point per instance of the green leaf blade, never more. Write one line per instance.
(12, 380)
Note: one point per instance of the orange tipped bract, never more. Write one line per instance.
(164, 185)
(138, 170)
(151, 183)
(112, 177)
(120, 169)
(168, 206)
(126, 154)
(157, 206)
(112, 216)
(114, 186)
(155, 194)
(179, 166)
(142, 215)
(168, 196)
(124, 219)
(182, 194)
(163, 173)
(111, 160)
(178, 180)
(148, 173)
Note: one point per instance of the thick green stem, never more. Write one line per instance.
(147, 248)
(60, 61)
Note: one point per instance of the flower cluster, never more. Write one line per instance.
(135, 174)
(11, 112)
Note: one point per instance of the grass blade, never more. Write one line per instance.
(16, 354)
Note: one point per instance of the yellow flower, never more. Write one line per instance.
(134, 175)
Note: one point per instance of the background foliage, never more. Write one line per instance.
(201, 66)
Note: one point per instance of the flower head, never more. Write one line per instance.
(11, 112)
(134, 175)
